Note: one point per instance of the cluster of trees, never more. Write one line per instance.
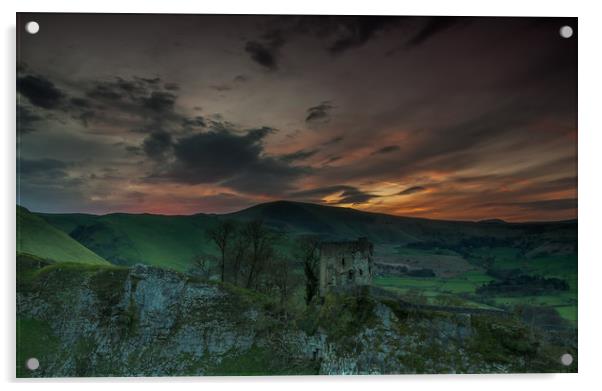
(255, 257)
(523, 285)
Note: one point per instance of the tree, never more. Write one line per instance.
(240, 250)
(282, 277)
(221, 235)
(260, 241)
(309, 253)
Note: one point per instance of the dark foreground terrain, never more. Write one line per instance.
(141, 295)
(82, 320)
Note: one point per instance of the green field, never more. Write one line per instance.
(465, 283)
(36, 237)
(462, 287)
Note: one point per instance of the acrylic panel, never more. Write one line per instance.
(295, 195)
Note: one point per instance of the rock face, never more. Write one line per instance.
(145, 321)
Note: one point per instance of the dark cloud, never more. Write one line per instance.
(266, 51)
(267, 176)
(221, 87)
(334, 140)
(157, 144)
(332, 159)
(40, 91)
(355, 31)
(212, 156)
(194, 122)
(355, 196)
(152, 81)
(80, 102)
(138, 95)
(104, 92)
(134, 149)
(233, 159)
(100, 101)
(412, 190)
(319, 113)
(137, 104)
(433, 26)
(301, 154)
(27, 120)
(159, 102)
(340, 33)
(46, 168)
(258, 134)
(171, 86)
(348, 194)
(387, 149)
(261, 54)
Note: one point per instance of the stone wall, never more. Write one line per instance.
(344, 264)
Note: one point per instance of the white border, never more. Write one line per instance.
(590, 196)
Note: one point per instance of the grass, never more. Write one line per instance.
(36, 237)
(563, 266)
(34, 340)
(464, 283)
(125, 239)
(258, 361)
(568, 312)
(460, 291)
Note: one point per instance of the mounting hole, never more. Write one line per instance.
(32, 364)
(566, 359)
(32, 27)
(566, 31)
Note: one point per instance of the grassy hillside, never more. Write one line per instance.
(173, 241)
(36, 237)
(127, 239)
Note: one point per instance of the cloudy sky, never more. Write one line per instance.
(448, 118)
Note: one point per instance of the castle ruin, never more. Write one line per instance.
(345, 264)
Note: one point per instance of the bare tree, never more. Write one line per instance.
(309, 253)
(240, 250)
(260, 241)
(282, 277)
(221, 235)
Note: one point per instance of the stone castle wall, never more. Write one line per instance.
(345, 264)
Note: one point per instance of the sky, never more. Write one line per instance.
(438, 117)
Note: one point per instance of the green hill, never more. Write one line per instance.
(346, 223)
(36, 237)
(174, 241)
(128, 239)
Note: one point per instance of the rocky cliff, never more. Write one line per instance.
(82, 320)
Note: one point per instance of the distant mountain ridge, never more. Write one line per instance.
(174, 241)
